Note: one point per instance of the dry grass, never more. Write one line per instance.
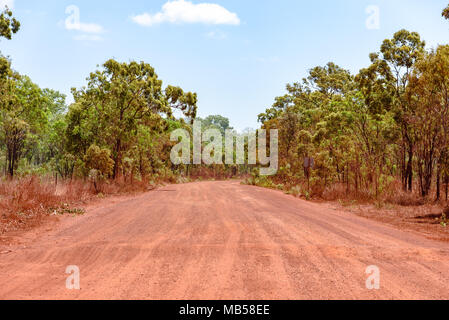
(394, 206)
(25, 202)
(405, 210)
(406, 199)
(394, 195)
(425, 219)
(341, 192)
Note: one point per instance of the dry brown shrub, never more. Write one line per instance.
(24, 202)
(76, 190)
(26, 195)
(340, 192)
(405, 199)
(122, 185)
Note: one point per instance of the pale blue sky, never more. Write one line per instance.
(237, 57)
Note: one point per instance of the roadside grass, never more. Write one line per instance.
(394, 206)
(25, 202)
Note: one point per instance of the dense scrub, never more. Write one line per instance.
(380, 134)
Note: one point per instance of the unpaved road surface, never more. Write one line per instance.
(222, 240)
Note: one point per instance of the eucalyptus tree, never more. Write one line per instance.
(389, 75)
(9, 25)
(217, 121)
(445, 13)
(24, 115)
(429, 94)
(117, 100)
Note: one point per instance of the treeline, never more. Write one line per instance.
(381, 130)
(374, 132)
(118, 126)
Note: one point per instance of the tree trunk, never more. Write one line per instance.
(403, 169)
(446, 181)
(409, 172)
(117, 159)
(438, 185)
(11, 162)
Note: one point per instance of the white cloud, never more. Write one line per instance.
(9, 3)
(182, 11)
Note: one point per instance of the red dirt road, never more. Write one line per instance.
(222, 240)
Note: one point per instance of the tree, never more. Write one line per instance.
(99, 164)
(429, 94)
(391, 70)
(390, 121)
(99, 159)
(118, 99)
(8, 24)
(219, 122)
(311, 122)
(445, 13)
(24, 113)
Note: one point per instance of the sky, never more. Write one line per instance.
(237, 55)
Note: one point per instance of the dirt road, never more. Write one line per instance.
(222, 240)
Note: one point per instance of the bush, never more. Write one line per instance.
(405, 199)
(295, 191)
(100, 160)
(100, 165)
(24, 202)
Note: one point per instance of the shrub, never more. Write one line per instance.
(100, 160)
(100, 165)
(295, 191)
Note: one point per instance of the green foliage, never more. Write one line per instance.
(389, 122)
(99, 165)
(25, 114)
(118, 126)
(445, 13)
(216, 122)
(8, 24)
(67, 209)
(100, 160)
(117, 103)
(295, 191)
(366, 131)
(262, 181)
